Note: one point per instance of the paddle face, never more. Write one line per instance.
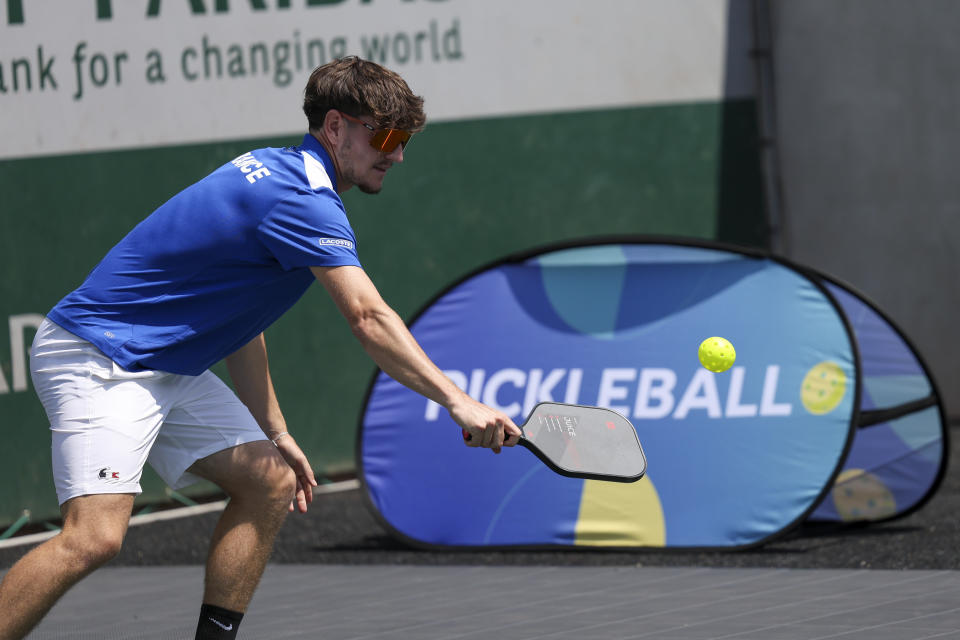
(584, 442)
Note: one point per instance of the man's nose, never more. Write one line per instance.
(397, 154)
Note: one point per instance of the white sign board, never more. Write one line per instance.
(89, 75)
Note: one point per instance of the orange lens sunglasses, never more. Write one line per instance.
(385, 140)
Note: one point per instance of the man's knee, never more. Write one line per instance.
(92, 548)
(251, 472)
(269, 477)
(281, 482)
(93, 528)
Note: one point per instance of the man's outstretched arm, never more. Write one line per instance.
(387, 340)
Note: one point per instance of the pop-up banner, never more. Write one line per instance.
(734, 458)
(899, 452)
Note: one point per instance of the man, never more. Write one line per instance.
(122, 363)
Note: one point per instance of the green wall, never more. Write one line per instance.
(469, 192)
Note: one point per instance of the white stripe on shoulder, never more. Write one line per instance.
(316, 173)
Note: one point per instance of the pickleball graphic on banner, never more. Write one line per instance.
(733, 458)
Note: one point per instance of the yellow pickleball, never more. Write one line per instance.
(823, 388)
(716, 354)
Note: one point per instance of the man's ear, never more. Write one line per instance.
(334, 126)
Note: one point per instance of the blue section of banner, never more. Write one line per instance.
(892, 466)
(733, 458)
(890, 370)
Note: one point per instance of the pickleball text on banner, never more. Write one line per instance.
(649, 393)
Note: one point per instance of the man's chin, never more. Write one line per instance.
(370, 188)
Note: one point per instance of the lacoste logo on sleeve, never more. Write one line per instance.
(338, 242)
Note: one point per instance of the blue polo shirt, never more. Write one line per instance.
(216, 264)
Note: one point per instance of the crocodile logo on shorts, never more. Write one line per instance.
(107, 474)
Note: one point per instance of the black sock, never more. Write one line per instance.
(217, 623)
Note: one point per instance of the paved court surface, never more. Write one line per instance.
(337, 574)
(337, 602)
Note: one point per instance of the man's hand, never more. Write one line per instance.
(483, 426)
(301, 466)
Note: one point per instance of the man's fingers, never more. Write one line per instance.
(487, 437)
(493, 435)
(472, 439)
(306, 479)
(307, 484)
(301, 500)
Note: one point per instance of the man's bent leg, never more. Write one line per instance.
(93, 531)
(261, 485)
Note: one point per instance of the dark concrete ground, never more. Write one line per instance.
(340, 529)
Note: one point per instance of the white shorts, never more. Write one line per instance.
(107, 422)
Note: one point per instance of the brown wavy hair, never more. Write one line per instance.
(360, 87)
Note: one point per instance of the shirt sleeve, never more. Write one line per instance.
(309, 230)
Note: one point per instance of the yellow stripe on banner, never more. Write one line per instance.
(615, 514)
